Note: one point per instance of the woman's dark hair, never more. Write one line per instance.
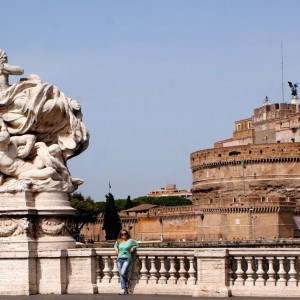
(120, 235)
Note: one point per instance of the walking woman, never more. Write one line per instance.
(124, 246)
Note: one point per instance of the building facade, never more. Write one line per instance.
(248, 186)
(171, 190)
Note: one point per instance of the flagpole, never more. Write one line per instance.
(282, 86)
(109, 186)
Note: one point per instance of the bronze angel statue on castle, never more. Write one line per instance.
(294, 91)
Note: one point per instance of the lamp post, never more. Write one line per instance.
(162, 229)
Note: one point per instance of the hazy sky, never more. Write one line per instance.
(157, 79)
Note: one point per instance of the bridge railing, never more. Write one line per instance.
(268, 271)
(153, 271)
(198, 272)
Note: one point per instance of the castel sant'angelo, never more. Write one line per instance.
(245, 188)
(248, 187)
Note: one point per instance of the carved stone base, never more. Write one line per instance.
(35, 221)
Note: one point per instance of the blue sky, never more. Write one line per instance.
(157, 79)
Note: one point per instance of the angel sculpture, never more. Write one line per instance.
(293, 87)
(37, 118)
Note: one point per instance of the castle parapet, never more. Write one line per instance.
(248, 154)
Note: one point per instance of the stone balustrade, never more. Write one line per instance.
(264, 272)
(205, 272)
(153, 271)
(197, 272)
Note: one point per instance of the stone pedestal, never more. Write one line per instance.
(295, 100)
(35, 221)
(18, 273)
(212, 273)
(82, 271)
(35, 232)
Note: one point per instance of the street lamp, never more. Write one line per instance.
(162, 229)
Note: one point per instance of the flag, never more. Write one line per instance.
(109, 186)
(243, 164)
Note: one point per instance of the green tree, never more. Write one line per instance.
(120, 204)
(129, 203)
(163, 201)
(87, 211)
(111, 221)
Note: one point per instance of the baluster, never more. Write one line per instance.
(182, 271)
(172, 271)
(249, 281)
(98, 258)
(115, 271)
(292, 281)
(191, 271)
(271, 281)
(163, 271)
(144, 270)
(106, 270)
(297, 267)
(239, 272)
(259, 272)
(134, 271)
(230, 271)
(152, 271)
(281, 272)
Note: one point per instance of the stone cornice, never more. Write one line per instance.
(250, 210)
(226, 163)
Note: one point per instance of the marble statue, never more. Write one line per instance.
(40, 129)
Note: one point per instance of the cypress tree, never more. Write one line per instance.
(111, 223)
(129, 203)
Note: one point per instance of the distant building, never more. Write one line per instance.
(148, 222)
(171, 190)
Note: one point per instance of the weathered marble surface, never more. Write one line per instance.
(40, 129)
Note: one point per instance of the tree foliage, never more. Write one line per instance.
(121, 204)
(111, 222)
(129, 203)
(163, 201)
(87, 211)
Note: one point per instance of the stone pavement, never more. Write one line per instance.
(128, 297)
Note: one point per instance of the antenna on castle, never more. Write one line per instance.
(282, 86)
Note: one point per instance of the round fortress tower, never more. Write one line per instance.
(248, 186)
(249, 171)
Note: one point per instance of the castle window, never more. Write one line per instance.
(264, 199)
(235, 200)
(293, 140)
(211, 201)
(234, 153)
(250, 151)
(260, 151)
(220, 155)
(278, 142)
